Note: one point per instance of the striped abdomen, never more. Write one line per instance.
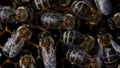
(109, 57)
(79, 57)
(72, 37)
(43, 4)
(59, 21)
(52, 20)
(85, 10)
(81, 9)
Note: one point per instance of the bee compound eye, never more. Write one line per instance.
(40, 35)
(47, 33)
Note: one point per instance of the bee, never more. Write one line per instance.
(26, 61)
(23, 14)
(104, 6)
(85, 10)
(14, 44)
(114, 22)
(107, 50)
(82, 59)
(7, 14)
(44, 4)
(89, 45)
(46, 44)
(58, 21)
(73, 37)
(78, 40)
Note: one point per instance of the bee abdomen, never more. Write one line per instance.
(51, 20)
(78, 57)
(44, 4)
(80, 8)
(110, 58)
(72, 37)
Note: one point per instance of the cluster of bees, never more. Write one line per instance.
(83, 32)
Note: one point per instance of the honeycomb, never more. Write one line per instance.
(33, 44)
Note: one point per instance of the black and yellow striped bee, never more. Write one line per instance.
(85, 10)
(82, 59)
(73, 37)
(107, 50)
(46, 44)
(78, 40)
(14, 44)
(58, 21)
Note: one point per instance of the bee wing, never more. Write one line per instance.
(100, 49)
(116, 47)
(99, 62)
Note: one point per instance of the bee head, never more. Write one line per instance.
(44, 34)
(45, 39)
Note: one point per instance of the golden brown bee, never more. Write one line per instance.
(27, 61)
(44, 4)
(23, 14)
(108, 52)
(82, 59)
(58, 21)
(46, 43)
(14, 44)
(85, 10)
(104, 6)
